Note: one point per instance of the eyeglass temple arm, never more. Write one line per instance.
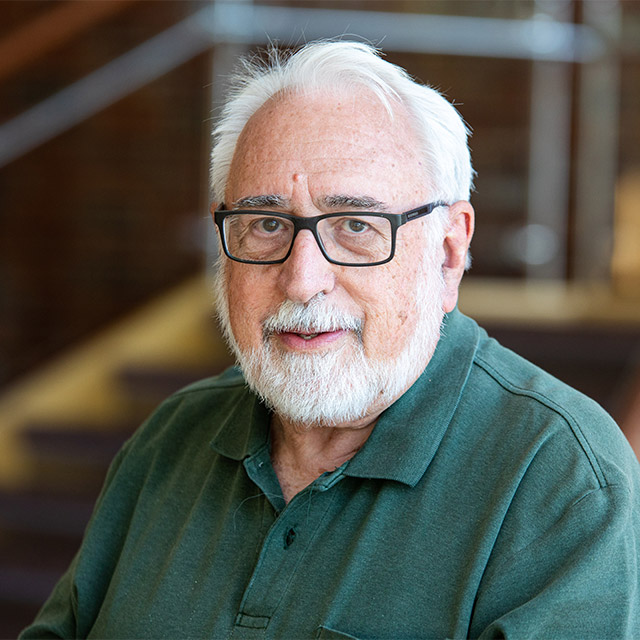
(424, 210)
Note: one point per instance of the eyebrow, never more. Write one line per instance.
(364, 203)
(255, 202)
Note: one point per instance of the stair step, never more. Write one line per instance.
(76, 442)
(15, 616)
(163, 381)
(147, 386)
(72, 458)
(39, 535)
(27, 586)
(31, 512)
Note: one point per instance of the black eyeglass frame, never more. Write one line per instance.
(396, 220)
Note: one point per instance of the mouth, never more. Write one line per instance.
(302, 340)
(310, 327)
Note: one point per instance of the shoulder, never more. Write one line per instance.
(175, 441)
(521, 378)
(545, 409)
(543, 453)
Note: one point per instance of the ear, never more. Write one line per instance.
(456, 244)
(213, 207)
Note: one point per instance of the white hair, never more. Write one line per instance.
(348, 67)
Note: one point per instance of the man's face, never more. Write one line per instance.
(312, 155)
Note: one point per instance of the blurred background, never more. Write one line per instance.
(106, 243)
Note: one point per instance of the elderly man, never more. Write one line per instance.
(377, 467)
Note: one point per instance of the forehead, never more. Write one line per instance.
(336, 142)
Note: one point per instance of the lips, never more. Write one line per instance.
(298, 340)
(316, 325)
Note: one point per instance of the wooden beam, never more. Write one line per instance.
(51, 29)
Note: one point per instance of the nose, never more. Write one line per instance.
(306, 272)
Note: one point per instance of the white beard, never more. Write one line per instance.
(341, 384)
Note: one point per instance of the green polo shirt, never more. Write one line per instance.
(489, 501)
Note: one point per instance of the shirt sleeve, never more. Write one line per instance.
(578, 579)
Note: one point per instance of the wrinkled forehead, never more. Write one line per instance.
(320, 134)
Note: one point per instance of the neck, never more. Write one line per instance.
(300, 454)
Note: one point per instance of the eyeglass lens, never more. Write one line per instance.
(357, 239)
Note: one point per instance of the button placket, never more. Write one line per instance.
(283, 548)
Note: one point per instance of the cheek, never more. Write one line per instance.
(391, 317)
(249, 304)
(388, 330)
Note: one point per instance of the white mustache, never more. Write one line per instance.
(313, 317)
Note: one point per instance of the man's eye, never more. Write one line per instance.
(355, 226)
(269, 225)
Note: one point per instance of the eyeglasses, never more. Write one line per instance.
(348, 239)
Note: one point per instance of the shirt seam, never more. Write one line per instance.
(614, 486)
(552, 405)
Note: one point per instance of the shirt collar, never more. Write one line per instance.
(406, 436)
(243, 426)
